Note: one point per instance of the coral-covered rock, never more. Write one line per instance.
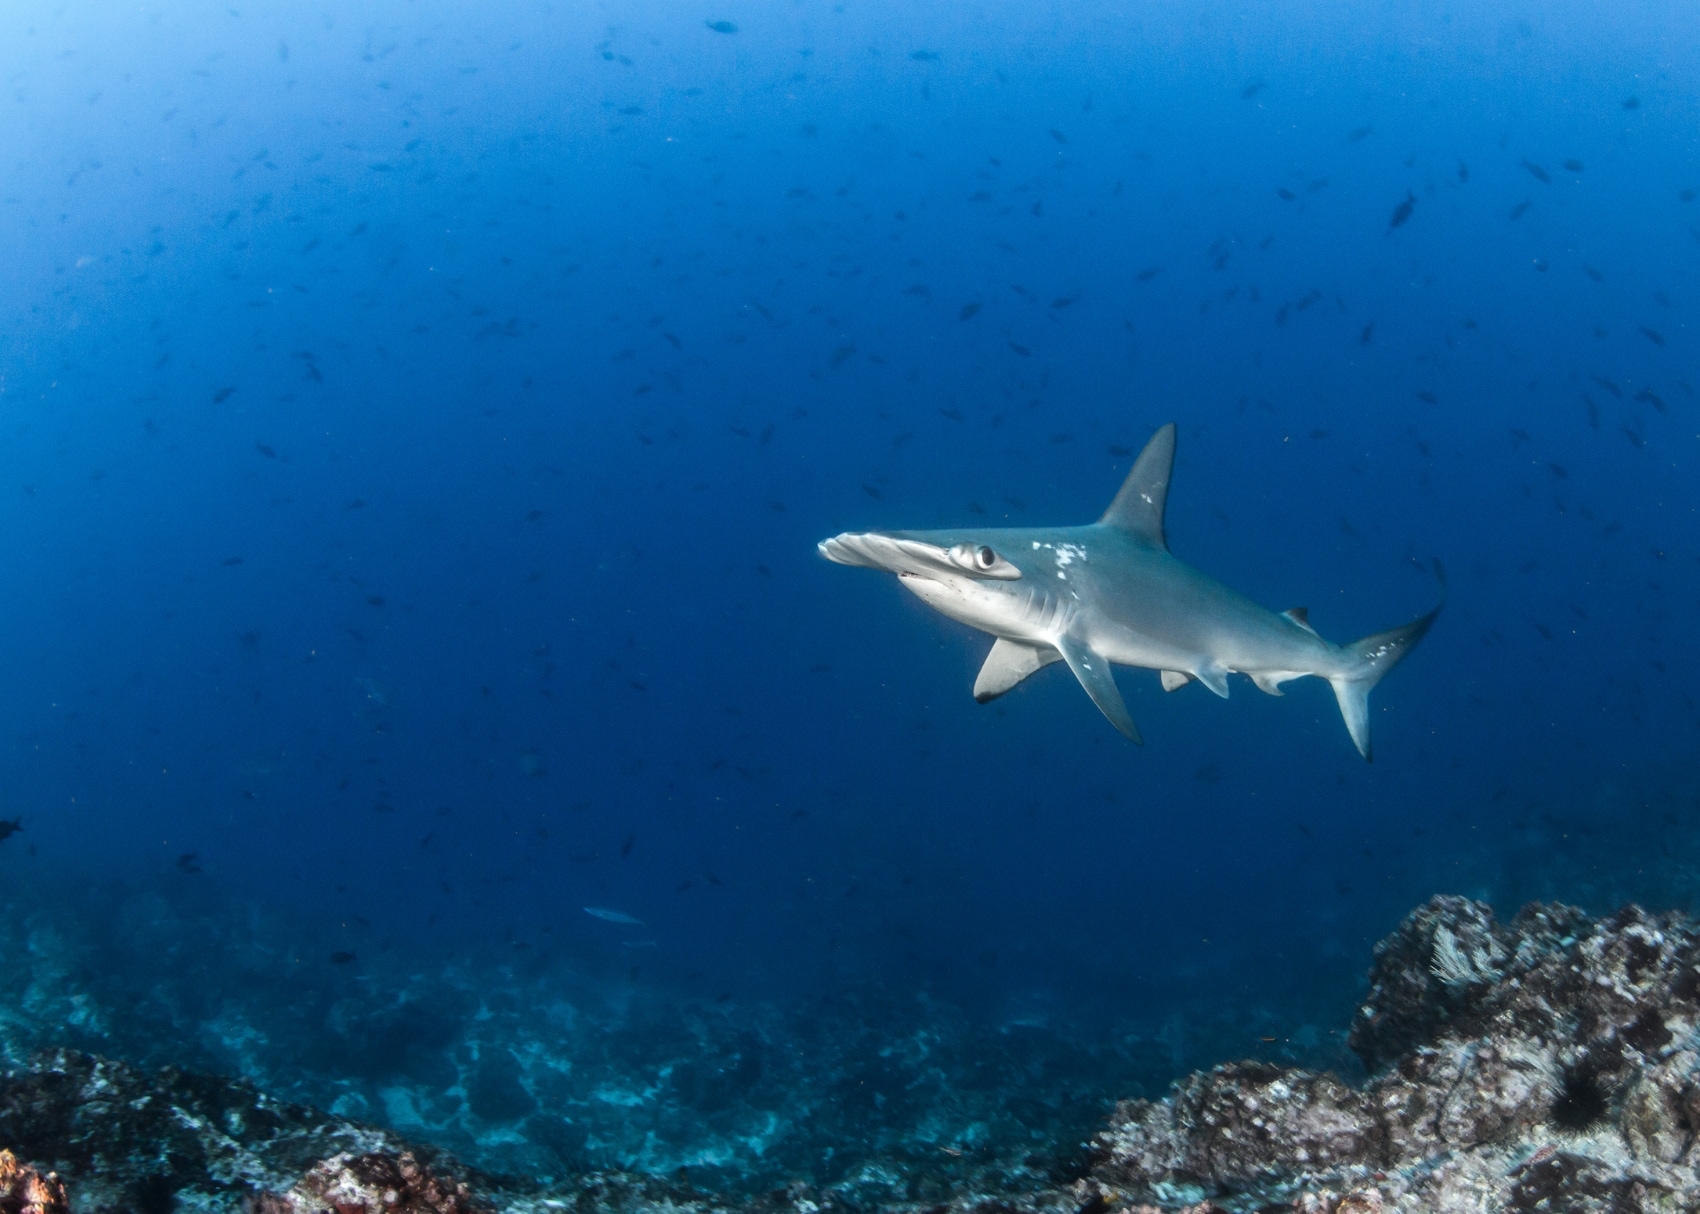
(373, 1183)
(23, 1190)
(1547, 1063)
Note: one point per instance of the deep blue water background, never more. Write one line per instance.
(416, 422)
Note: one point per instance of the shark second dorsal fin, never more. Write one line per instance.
(1301, 617)
(1139, 505)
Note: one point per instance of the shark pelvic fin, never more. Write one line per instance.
(1214, 677)
(1139, 505)
(1007, 664)
(1174, 680)
(1093, 671)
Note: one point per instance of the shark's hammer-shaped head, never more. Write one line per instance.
(972, 576)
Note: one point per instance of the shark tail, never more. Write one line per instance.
(1366, 662)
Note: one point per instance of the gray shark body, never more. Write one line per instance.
(1111, 593)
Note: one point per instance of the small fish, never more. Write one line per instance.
(1536, 171)
(189, 862)
(721, 27)
(1518, 210)
(1652, 335)
(341, 957)
(1402, 212)
(8, 828)
(613, 916)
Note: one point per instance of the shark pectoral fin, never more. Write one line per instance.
(1093, 671)
(1174, 680)
(1214, 677)
(1007, 664)
(1269, 681)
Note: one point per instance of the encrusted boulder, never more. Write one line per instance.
(24, 1190)
(372, 1183)
(1547, 1063)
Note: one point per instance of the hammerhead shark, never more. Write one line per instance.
(1110, 593)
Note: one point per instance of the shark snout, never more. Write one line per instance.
(846, 549)
(873, 550)
(917, 558)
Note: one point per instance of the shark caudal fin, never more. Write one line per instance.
(1364, 664)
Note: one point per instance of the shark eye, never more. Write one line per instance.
(982, 561)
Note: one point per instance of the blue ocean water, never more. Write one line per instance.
(417, 421)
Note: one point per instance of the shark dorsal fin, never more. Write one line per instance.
(1139, 506)
(1301, 617)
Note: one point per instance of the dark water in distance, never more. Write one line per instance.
(417, 420)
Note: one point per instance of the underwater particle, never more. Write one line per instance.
(613, 916)
(721, 27)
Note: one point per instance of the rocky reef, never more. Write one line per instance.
(1546, 1064)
